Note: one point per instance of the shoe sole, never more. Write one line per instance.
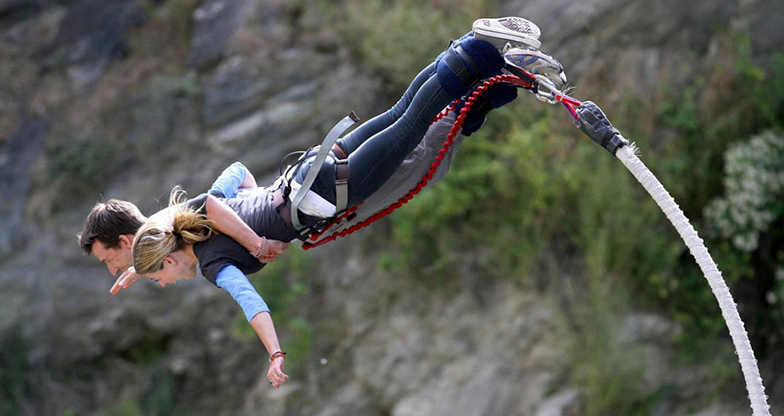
(506, 35)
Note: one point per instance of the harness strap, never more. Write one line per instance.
(323, 152)
(341, 185)
(339, 152)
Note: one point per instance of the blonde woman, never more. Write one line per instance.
(170, 247)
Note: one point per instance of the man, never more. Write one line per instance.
(108, 233)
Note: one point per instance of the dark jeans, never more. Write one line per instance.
(378, 147)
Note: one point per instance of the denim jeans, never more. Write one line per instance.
(378, 147)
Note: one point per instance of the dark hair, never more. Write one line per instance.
(107, 222)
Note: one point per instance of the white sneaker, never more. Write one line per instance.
(508, 32)
(538, 63)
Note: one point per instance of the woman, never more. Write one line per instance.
(169, 250)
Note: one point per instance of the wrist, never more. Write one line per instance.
(277, 354)
(261, 249)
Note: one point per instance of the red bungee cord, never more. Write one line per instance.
(456, 127)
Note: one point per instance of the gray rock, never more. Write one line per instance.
(24, 146)
(649, 328)
(90, 35)
(564, 403)
(215, 23)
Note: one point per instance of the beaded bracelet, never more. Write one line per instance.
(261, 250)
(277, 354)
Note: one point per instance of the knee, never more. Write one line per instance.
(465, 63)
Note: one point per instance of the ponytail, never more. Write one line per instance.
(188, 224)
(154, 241)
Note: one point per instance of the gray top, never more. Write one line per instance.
(258, 211)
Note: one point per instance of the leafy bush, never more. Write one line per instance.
(13, 372)
(754, 191)
(388, 36)
(78, 167)
(499, 189)
(608, 367)
(167, 32)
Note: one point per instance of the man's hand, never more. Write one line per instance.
(126, 279)
(275, 374)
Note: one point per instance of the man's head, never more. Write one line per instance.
(108, 233)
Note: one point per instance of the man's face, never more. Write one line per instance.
(116, 259)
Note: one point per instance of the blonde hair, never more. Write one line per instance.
(154, 241)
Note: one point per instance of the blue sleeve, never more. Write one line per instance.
(229, 181)
(232, 280)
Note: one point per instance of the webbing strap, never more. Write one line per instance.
(341, 185)
(323, 152)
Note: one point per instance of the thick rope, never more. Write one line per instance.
(456, 127)
(695, 244)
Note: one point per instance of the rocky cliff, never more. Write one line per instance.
(126, 98)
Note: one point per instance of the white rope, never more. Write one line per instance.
(695, 244)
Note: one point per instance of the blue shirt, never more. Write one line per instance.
(232, 280)
(229, 181)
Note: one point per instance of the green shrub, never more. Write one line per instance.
(78, 168)
(607, 369)
(754, 191)
(14, 371)
(498, 190)
(166, 33)
(388, 36)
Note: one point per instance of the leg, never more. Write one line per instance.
(353, 140)
(377, 158)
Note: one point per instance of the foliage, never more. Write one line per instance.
(13, 371)
(515, 188)
(747, 223)
(127, 407)
(388, 36)
(754, 191)
(157, 399)
(764, 87)
(78, 167)
(167, 32)
(605, 365)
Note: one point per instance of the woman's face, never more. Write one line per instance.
(176, 266)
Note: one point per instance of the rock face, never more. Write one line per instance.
(253, 89)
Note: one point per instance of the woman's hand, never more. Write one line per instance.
(126, 279)
(269, 250)
(226, 221)
(275, 374)
(262, 324)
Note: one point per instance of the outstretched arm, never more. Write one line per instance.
(232, 280)
(226, 221)
(262, 324)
